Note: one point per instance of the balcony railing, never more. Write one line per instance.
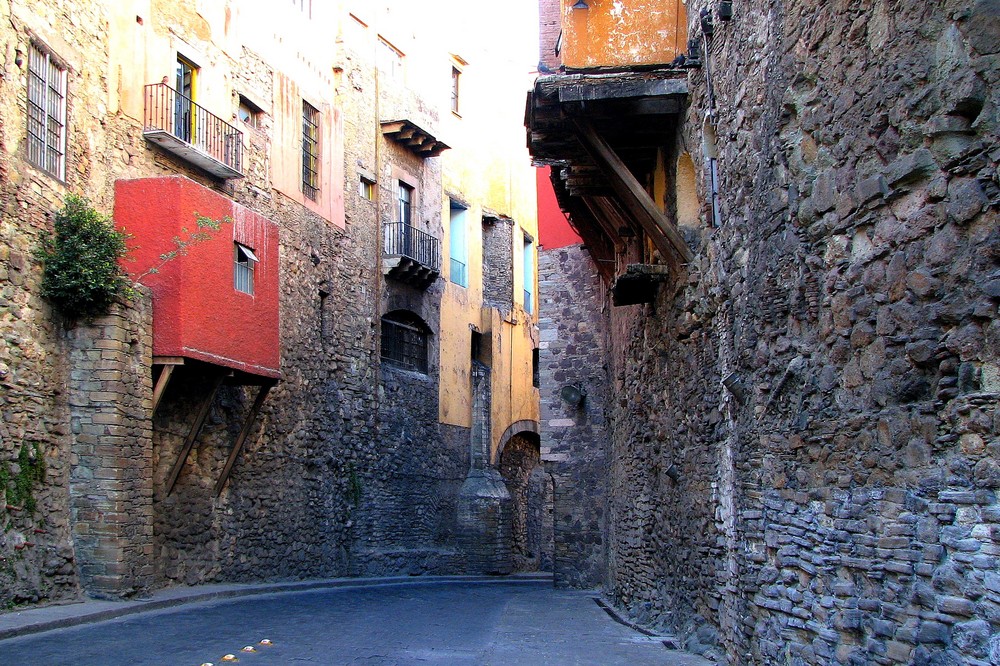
(459, 273)
(412, 255)
(179, 125)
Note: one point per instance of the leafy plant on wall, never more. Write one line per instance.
(83, 274)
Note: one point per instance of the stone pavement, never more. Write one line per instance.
(438, 620)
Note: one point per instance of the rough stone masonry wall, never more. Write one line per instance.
(574, 439)
(37, 559)
(845, 510)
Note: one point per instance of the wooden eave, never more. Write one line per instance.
(601, 132)
(409, 135)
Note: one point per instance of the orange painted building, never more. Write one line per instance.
(616, 33)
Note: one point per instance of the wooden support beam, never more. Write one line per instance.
(660, 230)
(244, 433)
(599, 214)
(615, 217)
(161, 384)
(196, 427)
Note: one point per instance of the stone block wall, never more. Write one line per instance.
(840, 505)
(498, 264)
(110, 397)
(574, 439)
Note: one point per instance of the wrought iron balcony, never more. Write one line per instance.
(411, 255)
(180, 126)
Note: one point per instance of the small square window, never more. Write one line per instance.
(243, 269)
(366, 188)
(248, 113)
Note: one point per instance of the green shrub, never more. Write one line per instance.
(82, 275)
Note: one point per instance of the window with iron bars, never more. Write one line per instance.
(310, 151)
(404, 342)
(46, 113)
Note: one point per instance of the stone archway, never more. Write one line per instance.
(531, 491)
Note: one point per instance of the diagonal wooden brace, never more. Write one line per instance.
(660, 230)
(244, 433)
(196, 427)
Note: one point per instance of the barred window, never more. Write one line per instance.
(404, 341)
(46, 113)
(243, 269)
(310, 151)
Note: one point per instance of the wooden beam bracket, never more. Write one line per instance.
(196, 427)
(633, 196)
(248, 422)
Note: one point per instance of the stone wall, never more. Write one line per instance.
(110, 395)
(574, 449)
(498, 264)
(838, 505)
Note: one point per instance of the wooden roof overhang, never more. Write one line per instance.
(409, 135)
(600, 133)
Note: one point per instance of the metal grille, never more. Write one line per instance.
(405, 241)
(46, 113)
(169, 111)
(310, 151)
(404, 345)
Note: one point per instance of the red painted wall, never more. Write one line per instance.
(197, 311)
(553, 227)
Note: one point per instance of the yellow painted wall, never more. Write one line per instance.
(489, 169)
(618, 33)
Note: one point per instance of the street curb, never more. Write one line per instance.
(33, 621)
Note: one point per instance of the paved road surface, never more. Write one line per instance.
(439, 623)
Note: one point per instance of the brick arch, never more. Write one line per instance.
(517, 428)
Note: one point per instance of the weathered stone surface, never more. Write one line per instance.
(842, 512)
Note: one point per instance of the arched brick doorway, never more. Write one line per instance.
(531, 492)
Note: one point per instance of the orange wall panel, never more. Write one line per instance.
(623, 33)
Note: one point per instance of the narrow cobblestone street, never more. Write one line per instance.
(433, 623)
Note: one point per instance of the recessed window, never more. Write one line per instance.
(535, 369)
(243, 268)
(310, 151)
(458, 248)
(46, 113)
(366, 188)
(405, 194)
(456, 75)
(404, 341)
(529, 275)
(248, 113)
(185, 116)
